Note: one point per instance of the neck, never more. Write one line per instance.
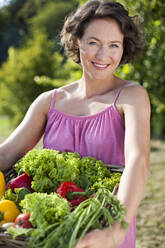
(97, 87)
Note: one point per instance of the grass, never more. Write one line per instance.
(151, 212)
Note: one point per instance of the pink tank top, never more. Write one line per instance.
(100, 135)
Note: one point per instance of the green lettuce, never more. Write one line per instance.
(45, 209)
(49, 168)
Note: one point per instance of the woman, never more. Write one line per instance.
(99, 115)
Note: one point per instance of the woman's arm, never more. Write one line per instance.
(136, 108)
(137, 149)
(27, 134)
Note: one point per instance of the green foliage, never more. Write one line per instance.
(81, 2)
(103, 208)
(50, 214)
(92, 213)
(31, 70)
(52, 16)
(19, 18)
(148, 70)
(94, 175)
(65, 72)
(45, 209)
(49, 168)
(18, 86)
(106, 182)
(17, 196)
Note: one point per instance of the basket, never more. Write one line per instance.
(6, 240)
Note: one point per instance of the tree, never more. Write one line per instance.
(149, 69)
(20, 18)
(29, 71)
(17, 85)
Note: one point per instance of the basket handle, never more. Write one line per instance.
(115, 168)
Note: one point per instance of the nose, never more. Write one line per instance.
(102, 53)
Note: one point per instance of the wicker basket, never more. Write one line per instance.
(6, 240)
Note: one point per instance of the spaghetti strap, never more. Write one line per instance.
(53, 100)
(120, 89)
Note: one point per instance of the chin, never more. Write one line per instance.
(100, 76)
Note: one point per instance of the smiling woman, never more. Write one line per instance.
(100, 115)
(100, 50)
(75, 26)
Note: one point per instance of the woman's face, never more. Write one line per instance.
(101, 48)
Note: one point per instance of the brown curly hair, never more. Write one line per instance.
(76, 23)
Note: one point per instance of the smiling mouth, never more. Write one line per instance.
(100, 66)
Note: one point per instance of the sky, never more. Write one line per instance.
(3, 2)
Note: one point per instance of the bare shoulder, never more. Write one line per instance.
(134, 94)
(43, 101)
(135, 88)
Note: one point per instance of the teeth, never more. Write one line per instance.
(101, 66)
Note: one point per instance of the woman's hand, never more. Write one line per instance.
(104, 238)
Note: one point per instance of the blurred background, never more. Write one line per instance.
(32, 61)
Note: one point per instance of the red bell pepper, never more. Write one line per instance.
(67, 187)
(22, 181)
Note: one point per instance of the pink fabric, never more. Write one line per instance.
(100, 136)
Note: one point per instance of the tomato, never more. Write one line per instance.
(23, 221)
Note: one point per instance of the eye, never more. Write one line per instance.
(92, 43)
(114, 46)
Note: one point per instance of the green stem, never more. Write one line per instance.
(74, 234)
(78, 223)
(1, 216)
(71, 195)
(94, 218)
(89, 216)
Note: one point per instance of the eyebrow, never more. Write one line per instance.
(112, 41)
